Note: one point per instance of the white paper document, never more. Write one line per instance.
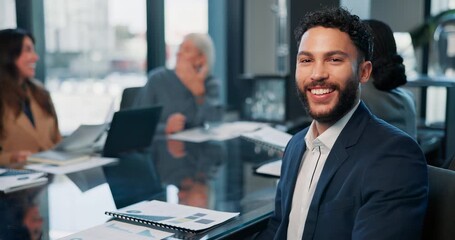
(270, 168)
(84, 137)
(65, 169)
(270, 137)
(22, 181)
(220, 132)
(115, 230)
(196, 135)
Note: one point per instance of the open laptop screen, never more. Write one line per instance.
(131, 130)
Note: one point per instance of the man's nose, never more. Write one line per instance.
(319, 72)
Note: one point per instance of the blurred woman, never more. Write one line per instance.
(383, 94)
(28, 121)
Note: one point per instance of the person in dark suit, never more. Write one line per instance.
(349, 175)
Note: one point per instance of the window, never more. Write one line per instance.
(441, 58)
(177, 14)
(94, 49)
(7, 14)
(438, 6)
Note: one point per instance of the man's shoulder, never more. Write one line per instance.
(379, 125)
(159, 73)
(368, 129)
(378, 132)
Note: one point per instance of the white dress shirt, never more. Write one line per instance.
(313, 160)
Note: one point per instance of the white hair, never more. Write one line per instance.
(204, 43)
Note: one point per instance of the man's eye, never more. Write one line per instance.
(304, 60)
(335, 60)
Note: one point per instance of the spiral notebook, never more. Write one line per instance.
(270, 137)
(172, 216)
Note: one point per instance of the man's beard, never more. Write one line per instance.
(346, 101)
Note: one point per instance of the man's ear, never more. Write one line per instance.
(365, 71)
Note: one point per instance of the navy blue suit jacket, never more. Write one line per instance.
(374, 185)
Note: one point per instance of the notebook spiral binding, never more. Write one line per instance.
(147, 222)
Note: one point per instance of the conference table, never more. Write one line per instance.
(216, 175)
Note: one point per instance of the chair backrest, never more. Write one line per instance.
(440, 218)
(451, 163)
(128, 97)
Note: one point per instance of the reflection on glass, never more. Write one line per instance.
(20, 215)
(190, 167)
(133, 178)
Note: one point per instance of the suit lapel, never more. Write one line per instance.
(347, 138)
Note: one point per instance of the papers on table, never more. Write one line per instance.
(116, 230)
(221, 132)
(65, 169)
(13, 183)
(84, 138)
(173, 216)
(270, 137)
(57, 157)
(75, 148)
(270, 168)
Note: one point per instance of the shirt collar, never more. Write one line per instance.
(328, 137)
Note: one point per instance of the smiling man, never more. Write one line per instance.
(349, 175)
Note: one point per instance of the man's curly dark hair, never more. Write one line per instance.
(343, 20)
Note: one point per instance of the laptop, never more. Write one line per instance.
(131, 129)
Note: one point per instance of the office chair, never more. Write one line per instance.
(439, 221)
(128, 97)
(451, 163)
